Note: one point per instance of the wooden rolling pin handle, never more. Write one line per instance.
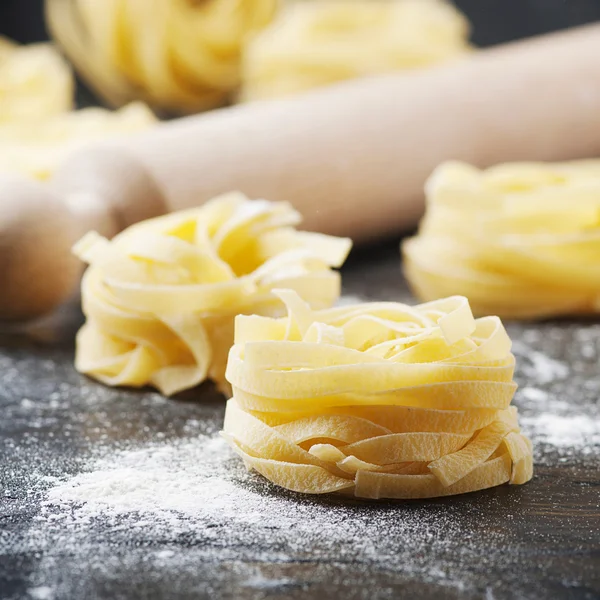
(37, 230)
(109, 178)
(105, 189)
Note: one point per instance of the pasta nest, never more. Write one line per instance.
(520, 240)
(161, 297)
(317, 43)
(36, 148)
(177, 55)
(379, 400)
(35, 82)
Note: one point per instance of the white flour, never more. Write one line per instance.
(197, 489)
(170, 482)
(41, 593)
(580, 431)
(536, 366)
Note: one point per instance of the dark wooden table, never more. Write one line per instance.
(250, 540)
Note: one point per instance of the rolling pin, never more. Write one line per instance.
(352, 158)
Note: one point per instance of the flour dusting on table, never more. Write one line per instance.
(170, 481)
(579, 431)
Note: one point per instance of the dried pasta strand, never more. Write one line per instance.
(409, 487)
(315, 410)
(161, 297)
(520, 240)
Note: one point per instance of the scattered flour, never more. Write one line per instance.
(196, 490)
(42, 592)
(578, 431)
(536, 366)
(537, 400)
(168, 482)
(534, 394)
(198, 481)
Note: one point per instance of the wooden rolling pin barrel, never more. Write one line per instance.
(352, 158)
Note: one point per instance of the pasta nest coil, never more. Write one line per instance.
(177, 55)
(35, 82)
(37, 148)
(312, 44)
(520, 240)
(378, 400)
(161, 297)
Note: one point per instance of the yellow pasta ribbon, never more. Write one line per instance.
(311, 44)
(37, 147)
(520, 240)
(379, 400)
(35, 82)
(177, 55)
(161, 297)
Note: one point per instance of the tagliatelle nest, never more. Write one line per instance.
(161, 297)
(176, 55)
(311, 44)
(378, 400)
(35, 82)
(520, 240)
(37, 148)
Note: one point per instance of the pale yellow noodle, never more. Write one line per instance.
(35, 82)
(177, 55)
(160, 299)
(520, 240)
(311, 44)
(379, 400)
(37, 147)
(38, 129)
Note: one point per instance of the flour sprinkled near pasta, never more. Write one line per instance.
(199, 480)
(196, 490)
(171, 482)
(579, 431)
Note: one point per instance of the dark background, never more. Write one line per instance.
(494, 21)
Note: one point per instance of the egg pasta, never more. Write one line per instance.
(520, 240)
(377, 400)
(161, 297)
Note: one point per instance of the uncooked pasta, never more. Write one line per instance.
(177, 55)
(378, 400)
(520, 240)
(35, 82)
(37, 147)
(311, 44)
(161, 297)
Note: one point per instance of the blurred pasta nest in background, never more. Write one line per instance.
(38, 126)
(321, 42)
(35, 82)
(521, 240)
(184, 56)
(161, 297)
(37, 148)
(178, 55)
